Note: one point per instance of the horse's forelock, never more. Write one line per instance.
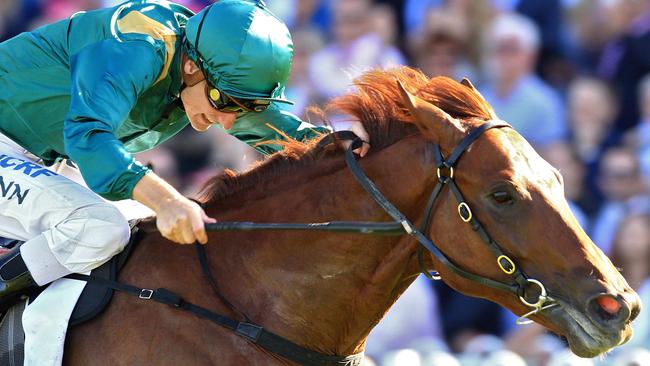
(377, 103)
(458, 100)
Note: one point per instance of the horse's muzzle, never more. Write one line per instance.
(599, 324)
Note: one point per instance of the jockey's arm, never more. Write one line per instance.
(106, 82)
(107, 78)
(260, 130)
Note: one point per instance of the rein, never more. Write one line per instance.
(402, 225)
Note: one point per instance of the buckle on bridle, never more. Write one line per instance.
(506, 264)
(464, 212)
(146, 294)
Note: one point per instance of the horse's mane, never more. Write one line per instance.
(377, 103)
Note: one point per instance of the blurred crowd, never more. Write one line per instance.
(572, 76)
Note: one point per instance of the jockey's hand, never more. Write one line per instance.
(182, 221)
(178, 219)
(360, 131)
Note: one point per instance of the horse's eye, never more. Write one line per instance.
(501, 197)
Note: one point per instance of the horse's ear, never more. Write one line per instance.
(432, 121)
(469, 84)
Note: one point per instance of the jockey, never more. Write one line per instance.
(91, 90)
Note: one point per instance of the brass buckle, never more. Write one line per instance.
(469, 216)
(507, 259)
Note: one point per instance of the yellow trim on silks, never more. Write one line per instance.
(136, 22)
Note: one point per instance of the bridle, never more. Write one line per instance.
(445, 177)
(285, 348)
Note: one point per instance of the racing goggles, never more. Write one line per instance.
(227, 104)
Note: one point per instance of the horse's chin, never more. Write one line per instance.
(586, 339)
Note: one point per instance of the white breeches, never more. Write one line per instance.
(81, 229)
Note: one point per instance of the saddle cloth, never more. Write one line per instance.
(39, 338)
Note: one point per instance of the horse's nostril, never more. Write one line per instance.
(609, 304)
(609, 309)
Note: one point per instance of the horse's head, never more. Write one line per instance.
(518, 199)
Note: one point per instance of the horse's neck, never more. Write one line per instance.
(324, 290)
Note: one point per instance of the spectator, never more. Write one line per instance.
(585, 28)
(592, 109)
(472, 15)
(397, 11)
(549, 18)
(626, 57)
(515, 92)
(622, 185)
(440, 49)
(546, 15)
(384, 24)
(355, 48)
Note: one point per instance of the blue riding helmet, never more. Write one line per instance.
(242, 48)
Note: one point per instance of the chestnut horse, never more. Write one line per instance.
(326, 291)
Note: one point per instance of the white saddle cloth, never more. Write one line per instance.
(45, 320)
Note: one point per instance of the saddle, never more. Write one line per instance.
(95, 298)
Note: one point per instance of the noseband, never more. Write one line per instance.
(521, 284)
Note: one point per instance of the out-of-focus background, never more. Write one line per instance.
(572, 76)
